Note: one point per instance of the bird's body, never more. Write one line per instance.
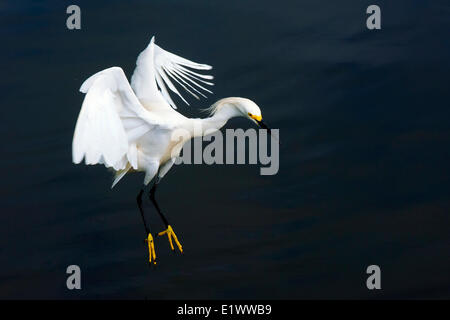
(136, 127)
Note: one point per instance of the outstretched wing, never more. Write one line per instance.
(156, 67)
(110, 121)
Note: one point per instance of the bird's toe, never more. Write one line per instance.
(172, 236)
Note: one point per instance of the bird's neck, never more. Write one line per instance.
(202, 127)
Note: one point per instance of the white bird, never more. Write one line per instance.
(130, 128)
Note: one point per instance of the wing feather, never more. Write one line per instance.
(156, 69)
(110, 121)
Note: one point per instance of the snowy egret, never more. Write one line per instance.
(129, 127)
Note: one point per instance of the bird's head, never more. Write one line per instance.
(251, 111)
(238, 107)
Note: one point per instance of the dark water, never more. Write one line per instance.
(364, 165)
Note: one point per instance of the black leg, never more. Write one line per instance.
(169, 231)
(149, 237)
(153, 200)
(139, 202)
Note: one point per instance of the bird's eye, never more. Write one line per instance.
(250, 115)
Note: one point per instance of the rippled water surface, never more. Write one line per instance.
(364, 165)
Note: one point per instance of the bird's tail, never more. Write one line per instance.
(120, 174)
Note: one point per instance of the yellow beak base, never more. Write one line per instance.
(257, 118)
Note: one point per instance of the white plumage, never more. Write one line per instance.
(130, 127)
(136, 127)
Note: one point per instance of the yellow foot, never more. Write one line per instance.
(170, 234)
(151, 249)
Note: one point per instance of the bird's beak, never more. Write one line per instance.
(264, 126)
(258, 120)
(261, 124)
